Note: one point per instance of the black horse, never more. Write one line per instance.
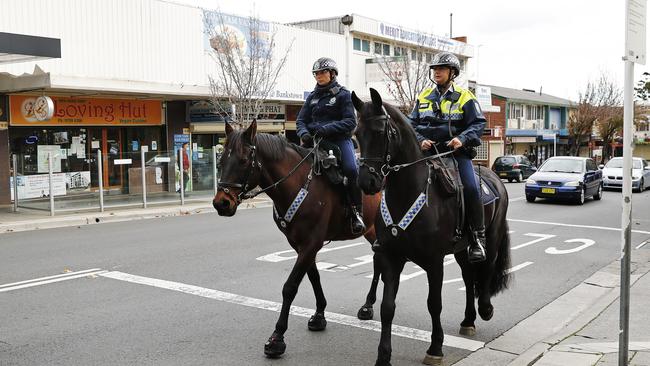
(285, 171)
(388, 147)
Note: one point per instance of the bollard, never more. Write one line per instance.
(144, 179)
(214, 169)
(49, 171)
(15, 161)
(100, 180)
(180, 166)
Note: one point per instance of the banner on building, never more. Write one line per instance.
(72, 111)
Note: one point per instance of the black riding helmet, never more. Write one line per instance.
(446, 59)
(325, 63)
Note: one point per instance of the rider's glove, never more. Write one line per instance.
(306, 139)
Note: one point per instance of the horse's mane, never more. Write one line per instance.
(401, 121)
(270, 146)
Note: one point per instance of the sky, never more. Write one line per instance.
(556, 45)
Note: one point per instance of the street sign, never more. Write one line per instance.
(635, 31)
(548, 136)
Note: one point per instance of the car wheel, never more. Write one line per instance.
(641, 186)
(599, 192)
(581, 200)
(530, 198)
(520, 177)
(509, 180)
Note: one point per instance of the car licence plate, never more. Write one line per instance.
(503, 174)
(548, 190)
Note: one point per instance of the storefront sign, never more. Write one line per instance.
(36, 186)
(76, 111)
(422, 39)
(209, 111)
(43, 108)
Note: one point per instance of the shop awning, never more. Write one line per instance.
(22, 48)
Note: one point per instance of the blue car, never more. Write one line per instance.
(566, 177)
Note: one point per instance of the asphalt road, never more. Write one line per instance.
(204, 290)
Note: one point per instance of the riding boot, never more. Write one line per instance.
(354, 197)
(476, 249)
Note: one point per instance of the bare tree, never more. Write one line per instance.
(407, 75)
(643, 87)
(247, 68)
(599, 107)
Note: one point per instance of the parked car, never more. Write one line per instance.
(613, 174)
(513, 167)
(566, 177)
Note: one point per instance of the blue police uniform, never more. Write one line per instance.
(440, 118)
(328, 113)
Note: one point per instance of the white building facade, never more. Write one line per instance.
(134, 73)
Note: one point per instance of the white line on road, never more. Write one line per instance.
(539, 236)
(397, 330)
(278, 257)
(642, 244)
(50, 279)
(516, 199)
(580, 226)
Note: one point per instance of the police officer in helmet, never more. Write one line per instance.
(328, 113)
(449, 117)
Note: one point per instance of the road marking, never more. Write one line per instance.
(516, 199)
(512, 269)
(278, 256)
(540, 236)
(397, 330)
(642, 244)
(585, 244)
(576, 225)
(50, 279)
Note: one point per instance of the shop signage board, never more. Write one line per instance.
(26, 110)
(37, 186)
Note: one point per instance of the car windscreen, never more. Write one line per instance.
(507, 160)
(563, 166)
(618, 163)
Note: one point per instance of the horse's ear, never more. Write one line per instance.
(376, 98)
(229, 129)
(358, 103)
(251, 131)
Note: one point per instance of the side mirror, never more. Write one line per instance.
(601, 166)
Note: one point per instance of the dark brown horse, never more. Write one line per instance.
(284, 170)
(390, 151)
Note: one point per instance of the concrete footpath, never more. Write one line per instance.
(580, 328)
(30, 219)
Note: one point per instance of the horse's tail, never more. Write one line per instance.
(501, 277)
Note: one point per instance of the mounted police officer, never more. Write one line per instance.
(449, 117)
(328, 113)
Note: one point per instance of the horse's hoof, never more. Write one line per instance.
(275, 346)
(432, 360)
(317, 322)
(467, 331)
(365, 313)
(382, 363)
(486, 314)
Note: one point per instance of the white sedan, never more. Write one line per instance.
(613, 174)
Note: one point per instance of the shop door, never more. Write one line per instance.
(201, 162)
(109, 140)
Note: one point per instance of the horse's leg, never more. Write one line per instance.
(467, 326)
(276, 346)
(390, 271)
(366, 312)
(434, 304)
(317, 321)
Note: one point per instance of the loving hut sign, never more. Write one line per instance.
(71, 111)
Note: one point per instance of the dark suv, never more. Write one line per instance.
(513, 167)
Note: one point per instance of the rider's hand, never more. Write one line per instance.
(455, 143)
(320, 132)
(426, 145)
(307, 139)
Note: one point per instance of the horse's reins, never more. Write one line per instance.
(386, 168)
(245, 192)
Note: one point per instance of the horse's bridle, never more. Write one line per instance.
(389, 132)
(244, 185)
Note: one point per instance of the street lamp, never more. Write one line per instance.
(347, 20)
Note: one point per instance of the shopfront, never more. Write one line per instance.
(78, 128)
